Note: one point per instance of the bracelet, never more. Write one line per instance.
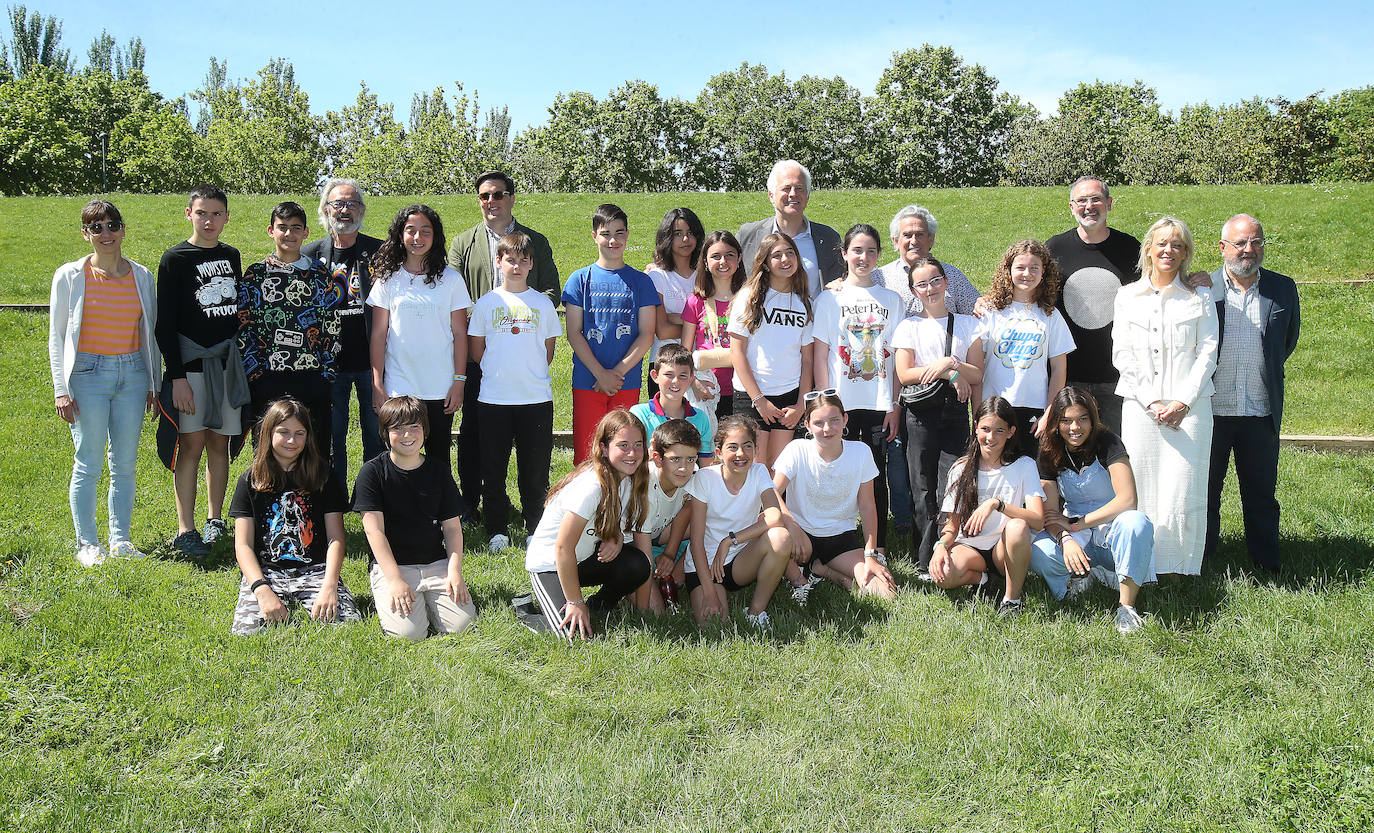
(581, 602)
(733, 539)
(1065, 534)
(876, 556)
(754, 403)
(262, 582)
(940, 542)
(1001, 504)
(458, 377)
(954, 375)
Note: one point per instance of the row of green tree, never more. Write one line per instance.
(932, 121)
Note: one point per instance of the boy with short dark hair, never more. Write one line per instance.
(512, 332)
(610, 312)
(673, 371)
(288, 306)
(197, 322)
(673, 454)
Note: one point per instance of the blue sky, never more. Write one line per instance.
(521, 55)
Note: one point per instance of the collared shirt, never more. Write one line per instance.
(806, 250)
(1240, 387)
(493, 239)
(960, 294)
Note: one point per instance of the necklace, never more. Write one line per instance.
(1072, 461)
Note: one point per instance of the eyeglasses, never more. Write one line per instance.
(488, 196)
(933, 283)
(815, 394)
(345, 205)
(1084, 202)
(1238, 245)
(99, 228)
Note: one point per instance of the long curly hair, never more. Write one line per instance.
(608, 523)
(1046, 294)
(966, 487)
(392, 254)
(756, 290)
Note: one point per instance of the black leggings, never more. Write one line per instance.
(618, 578)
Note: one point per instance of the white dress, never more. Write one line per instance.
(1164, 342)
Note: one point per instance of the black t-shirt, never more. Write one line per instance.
(414, 504)
(1092, 273)
(353, 353)
(1109, 450)
(197, 296)
(288, 523)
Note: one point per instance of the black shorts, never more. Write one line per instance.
(787, 399)
(694, 581)
(987, 557)
(824, 548)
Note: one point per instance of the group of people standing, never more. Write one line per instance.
(796, 389)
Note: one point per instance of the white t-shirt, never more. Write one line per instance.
(662, 509)
(419, 336)
(774, 349)
(674, 289)
(1018, 343)
(824, 497)
(925, 337)
(580, 497)
(515, 367)
(726, 512)
(858, 322)
(1013, 483)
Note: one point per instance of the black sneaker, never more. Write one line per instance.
(190, 543)
(527, 613)
(993, 589)
(1010, 608)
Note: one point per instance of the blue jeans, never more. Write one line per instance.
(111, 395)
(342, 386)
(1126, 545)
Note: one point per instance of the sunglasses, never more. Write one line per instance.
(99, 228)
(488, 196)
(816, 394)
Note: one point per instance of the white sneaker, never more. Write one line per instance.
(800, 592)
(215, 528)
(498, 542)
(126, 549)
(759, 620)
(1127, 620)
(90, 555)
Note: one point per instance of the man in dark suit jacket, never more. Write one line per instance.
(1257, 311)
(473, 254)
(348, 254)
(818, 245)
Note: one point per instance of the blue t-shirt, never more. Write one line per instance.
(610, 303)
(651, 415)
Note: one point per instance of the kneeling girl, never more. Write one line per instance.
(828, 481)
(580, 538)
(412, 514)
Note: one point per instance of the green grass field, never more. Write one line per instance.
(1242, 706)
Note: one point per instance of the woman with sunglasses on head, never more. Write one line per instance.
(933, 346)
(104, 360)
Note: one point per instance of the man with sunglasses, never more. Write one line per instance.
(347, 253)
(1258, 317)
(473, 254)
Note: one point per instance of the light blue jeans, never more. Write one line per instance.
(111, 394)
(1126, 546)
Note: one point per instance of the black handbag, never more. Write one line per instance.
(932, 395)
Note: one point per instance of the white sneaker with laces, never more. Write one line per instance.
(1128, 620)
(126, 549)
(759, 620)
(90, 555)
(498, 542)
(800, 592)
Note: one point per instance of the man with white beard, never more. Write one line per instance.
(348, 255)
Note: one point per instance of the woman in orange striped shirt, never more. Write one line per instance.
(104, 359)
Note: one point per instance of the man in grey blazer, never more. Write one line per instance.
(818, 245)
(1258, 317)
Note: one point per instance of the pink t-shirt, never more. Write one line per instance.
(692, 314)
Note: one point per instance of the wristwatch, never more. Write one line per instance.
(876, 556)
(733, 539)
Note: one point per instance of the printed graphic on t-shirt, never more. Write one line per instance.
(218, 290)
(1020, 342)
(289, 528)
(346, 274)
(514, 319)
(1089, 296)
(784, 317)
(864, 354)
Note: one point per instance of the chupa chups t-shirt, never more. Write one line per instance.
(515, 366)
(197, 297)
(858, 323)
(774, 349)
(610, 302)
(1018, 343)
(824, 496)
(414, 505)
(288, 522)
(1093, 272)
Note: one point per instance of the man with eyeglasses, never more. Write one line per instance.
(1096, 261)
(818, 245)
(347, 253)
(1258, 318)
(473, 254)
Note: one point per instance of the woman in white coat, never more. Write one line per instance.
(104, 362)
(1164, 342)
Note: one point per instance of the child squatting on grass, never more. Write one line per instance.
(288, 527)
(412, 516)
(673, 459)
